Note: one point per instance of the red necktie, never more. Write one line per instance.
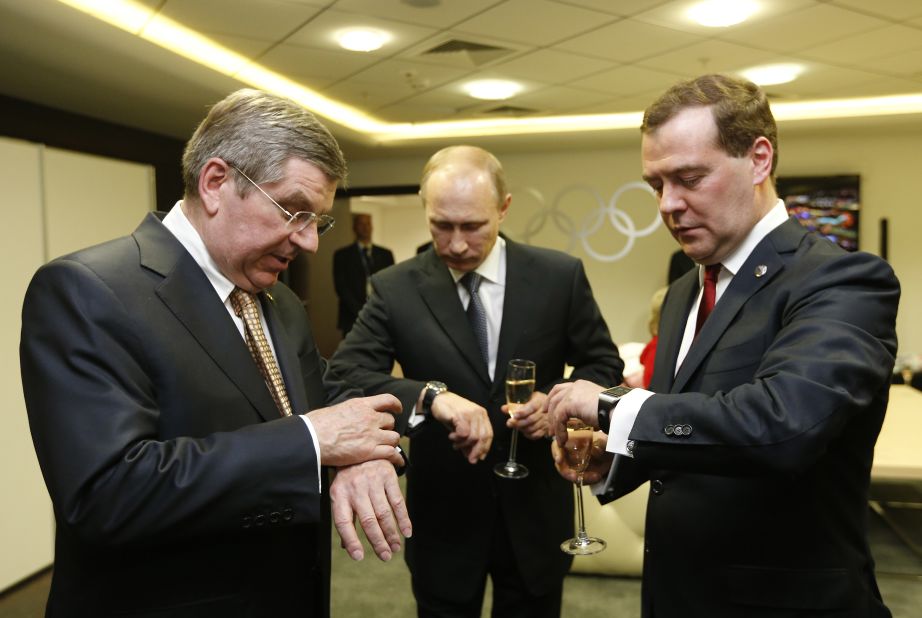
(708, 297)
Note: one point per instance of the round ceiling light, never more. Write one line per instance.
(771, 74)
(492, 89)
(722, 13)
(362, 39)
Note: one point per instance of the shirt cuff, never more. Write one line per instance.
(415, 419)
(622, 421)
(310, 429)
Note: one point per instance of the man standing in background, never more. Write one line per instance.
(353, 266)
(180, 410)
(534, 304)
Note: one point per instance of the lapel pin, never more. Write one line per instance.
(761, 269)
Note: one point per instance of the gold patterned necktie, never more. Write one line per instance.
(246, 307)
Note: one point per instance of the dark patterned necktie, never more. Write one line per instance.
(246, 307)
(476, 314)
(708, 296)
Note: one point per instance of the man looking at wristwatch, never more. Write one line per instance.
(771, 380)
(469, 523)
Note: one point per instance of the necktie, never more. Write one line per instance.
(708, 296)
(246, 307)
(476, 314)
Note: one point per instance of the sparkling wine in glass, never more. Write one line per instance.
(520, 384)
(577, 452)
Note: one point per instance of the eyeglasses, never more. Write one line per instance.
(299, 220)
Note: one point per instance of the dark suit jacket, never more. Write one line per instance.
(759, 506)
(177, 488)
(350, 281)
(415, 317)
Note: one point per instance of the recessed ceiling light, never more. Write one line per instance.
(771, 74)
(722, 13)
(362, 39)
(492, 89)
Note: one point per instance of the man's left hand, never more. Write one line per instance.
(369, 491)
(531, 419)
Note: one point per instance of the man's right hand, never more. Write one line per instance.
(471, 431)
(357, 430)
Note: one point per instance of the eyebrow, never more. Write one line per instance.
(677, 171)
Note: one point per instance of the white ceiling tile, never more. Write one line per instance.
(317, 66)
(550, 66)
(625, 8)
(905, 64)
(533, 22)
(708, 57)
(558, 99)
(797, 30)
(408, 75)
(365, 95)
(443, 15)
(898, 10)
(628, 80)
(875, 88)
(321, 32)
(628, 41)
(257, 19)
(865, 49)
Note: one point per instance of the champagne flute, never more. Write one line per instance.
(520, 384)
(577, 451)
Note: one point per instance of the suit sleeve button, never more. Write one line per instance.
(656, 486)
(687, 431)
(247, 521)
(274, 517)
(288, 514)
(669, 430)
(260, 520)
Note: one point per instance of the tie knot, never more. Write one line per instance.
(471, 282)
(242, 301)
(712, 272)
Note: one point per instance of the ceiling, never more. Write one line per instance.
(573, 56)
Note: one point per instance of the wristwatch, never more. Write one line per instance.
(433, 388)
(608, 399)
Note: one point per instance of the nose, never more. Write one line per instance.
(307, 239)
(670, 200)
(458, 244)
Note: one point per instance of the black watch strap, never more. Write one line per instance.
(608, 399)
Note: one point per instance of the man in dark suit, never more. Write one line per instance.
(536, 305)
(759, 440)
(353, 266)
(181, 444)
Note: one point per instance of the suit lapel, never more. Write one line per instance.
(188, 294)
(440, 294)
(518, 301)
(763, 264)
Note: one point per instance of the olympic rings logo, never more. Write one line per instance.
(591, 223)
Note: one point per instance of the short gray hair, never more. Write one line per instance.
(258, 133)
(473, 156)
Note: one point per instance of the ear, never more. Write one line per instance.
(761, 155)
(504, 207)
(214, 175)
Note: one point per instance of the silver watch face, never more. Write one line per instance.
(436, 387)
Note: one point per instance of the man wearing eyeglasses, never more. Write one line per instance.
(182, 415)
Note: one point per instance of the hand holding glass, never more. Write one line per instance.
(577, 452)
(520, 384)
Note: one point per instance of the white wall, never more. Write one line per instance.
(55, 201)
(888, 160)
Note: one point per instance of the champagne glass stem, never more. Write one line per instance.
(512, 447)
(581, 534)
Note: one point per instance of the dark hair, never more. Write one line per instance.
(259, 132)
(740, 109)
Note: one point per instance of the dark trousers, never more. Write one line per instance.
(511, 596)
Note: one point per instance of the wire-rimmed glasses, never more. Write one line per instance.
(299, 220)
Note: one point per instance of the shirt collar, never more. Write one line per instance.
(772, 219)
(493, 269)
(180, 226)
